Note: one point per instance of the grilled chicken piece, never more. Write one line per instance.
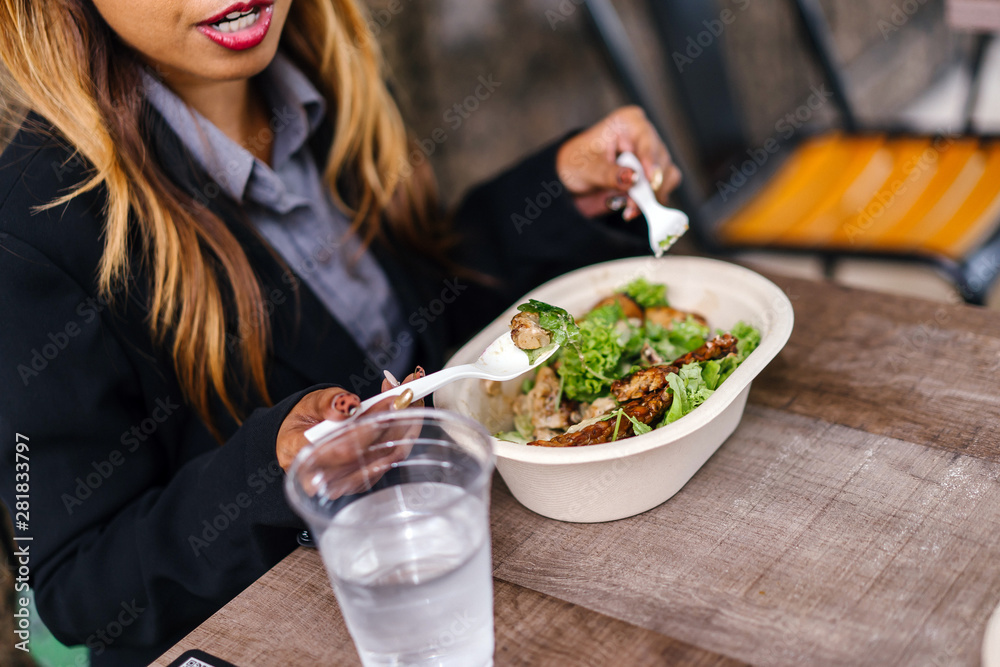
(599, 407)
(589, 435)
(542, 402)
(642, 382)
(547, 433)
(526, 333)
(646, 409)
(654, 378)
(645, 397)
(632, 310)
(666, 316)
(717, 348)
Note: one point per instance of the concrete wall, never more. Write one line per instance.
(548, 75)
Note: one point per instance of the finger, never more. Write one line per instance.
(389, 382)
(354, 462)
(340, 406)
(627, 123)
(393, 402)
(360, 480)
(603, 173)
(631, 211)
(585, 165)
(334, 404)
(616, 203)
(602, 202)
(653, 155)
(418, 373)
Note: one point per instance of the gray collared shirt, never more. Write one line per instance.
(291, 206)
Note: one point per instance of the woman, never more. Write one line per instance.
(211, 239)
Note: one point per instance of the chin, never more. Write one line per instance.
(233, 66)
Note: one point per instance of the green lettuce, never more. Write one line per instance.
(559, 323)
(512, 436)
(588, 369)
(645, 293)
(682, 338)
(748, 338)
(638, 427)
(689, 390)
(699, 380)
(604, 347)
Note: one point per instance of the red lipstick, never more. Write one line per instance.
(220, 30)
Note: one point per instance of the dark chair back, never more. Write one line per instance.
(692, 35)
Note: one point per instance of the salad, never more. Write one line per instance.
(630, 365)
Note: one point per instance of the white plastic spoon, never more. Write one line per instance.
(666, 225)
(502, 360)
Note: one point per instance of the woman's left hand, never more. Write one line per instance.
(586, 163)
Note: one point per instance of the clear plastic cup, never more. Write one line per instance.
(399, 505)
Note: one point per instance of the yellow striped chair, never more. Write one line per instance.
(849, 191)
(930, 198)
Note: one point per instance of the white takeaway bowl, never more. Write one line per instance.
(620, 479)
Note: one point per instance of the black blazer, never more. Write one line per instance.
(142, 524)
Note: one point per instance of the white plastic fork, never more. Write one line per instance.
(502, 360)
(666, 225)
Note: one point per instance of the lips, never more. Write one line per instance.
(241, 26)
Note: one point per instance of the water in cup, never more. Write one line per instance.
(422, 579)
(399, 503)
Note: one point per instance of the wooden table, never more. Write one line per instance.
(852, 519)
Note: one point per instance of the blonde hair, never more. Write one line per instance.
(65, 63)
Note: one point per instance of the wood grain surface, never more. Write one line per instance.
(911, 369)
(853, 518)
(291, 618)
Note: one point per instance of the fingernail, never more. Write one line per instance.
(419, 372)
(627, 177)
(617, 203)
(391, 378)
(657, 179)
(403, 400)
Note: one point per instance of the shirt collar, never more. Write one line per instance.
(297, 110)
(286, 82)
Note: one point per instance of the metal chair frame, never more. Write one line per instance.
(973, 277)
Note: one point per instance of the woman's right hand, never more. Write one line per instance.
(333, 404)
